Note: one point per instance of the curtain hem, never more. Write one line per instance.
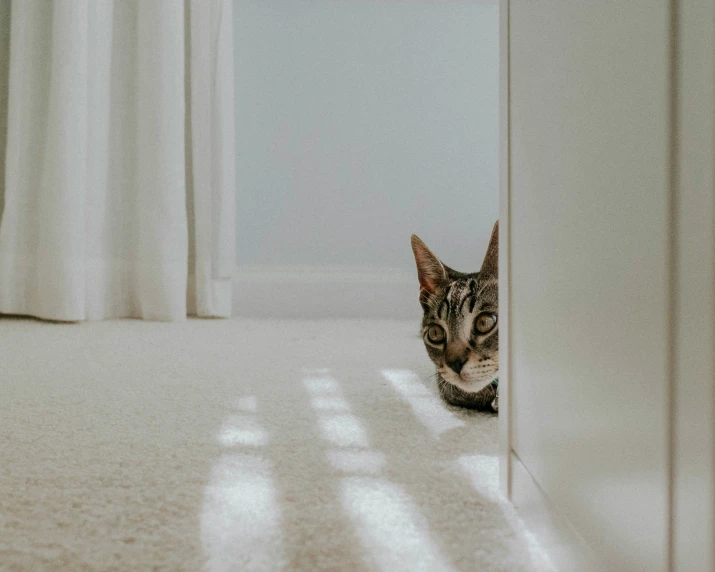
(101, 289)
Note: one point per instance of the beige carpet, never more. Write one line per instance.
(242, 445)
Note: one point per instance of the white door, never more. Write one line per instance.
(608, 273)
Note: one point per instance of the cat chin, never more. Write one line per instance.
(471, 397)
(467, 386)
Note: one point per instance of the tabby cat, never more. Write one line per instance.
(460, 327)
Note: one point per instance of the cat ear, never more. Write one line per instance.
(490, 265)
(430, 271)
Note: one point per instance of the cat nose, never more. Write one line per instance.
(457, 364)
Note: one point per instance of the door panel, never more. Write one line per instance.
(589, 266)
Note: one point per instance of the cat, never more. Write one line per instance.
(460, 326)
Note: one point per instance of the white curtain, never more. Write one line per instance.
(119, 187)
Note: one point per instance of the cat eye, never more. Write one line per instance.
(485, 322)
(436, 334)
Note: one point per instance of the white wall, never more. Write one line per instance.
(358, 123)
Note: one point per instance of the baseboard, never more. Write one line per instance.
(325, 293)
(565, 547)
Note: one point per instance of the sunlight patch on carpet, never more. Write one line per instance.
(483, 473)
(241, 430)
(340, 429)
(390, 526)
(240, 519)
(343, 430)
(426, 406)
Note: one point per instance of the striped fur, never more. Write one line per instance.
(467, 362)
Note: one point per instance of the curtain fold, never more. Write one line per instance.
(4, 78)
(119, 177)
(211, 130)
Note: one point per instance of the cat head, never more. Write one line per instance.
(460, 326)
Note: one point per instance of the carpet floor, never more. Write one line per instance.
(243, 445)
